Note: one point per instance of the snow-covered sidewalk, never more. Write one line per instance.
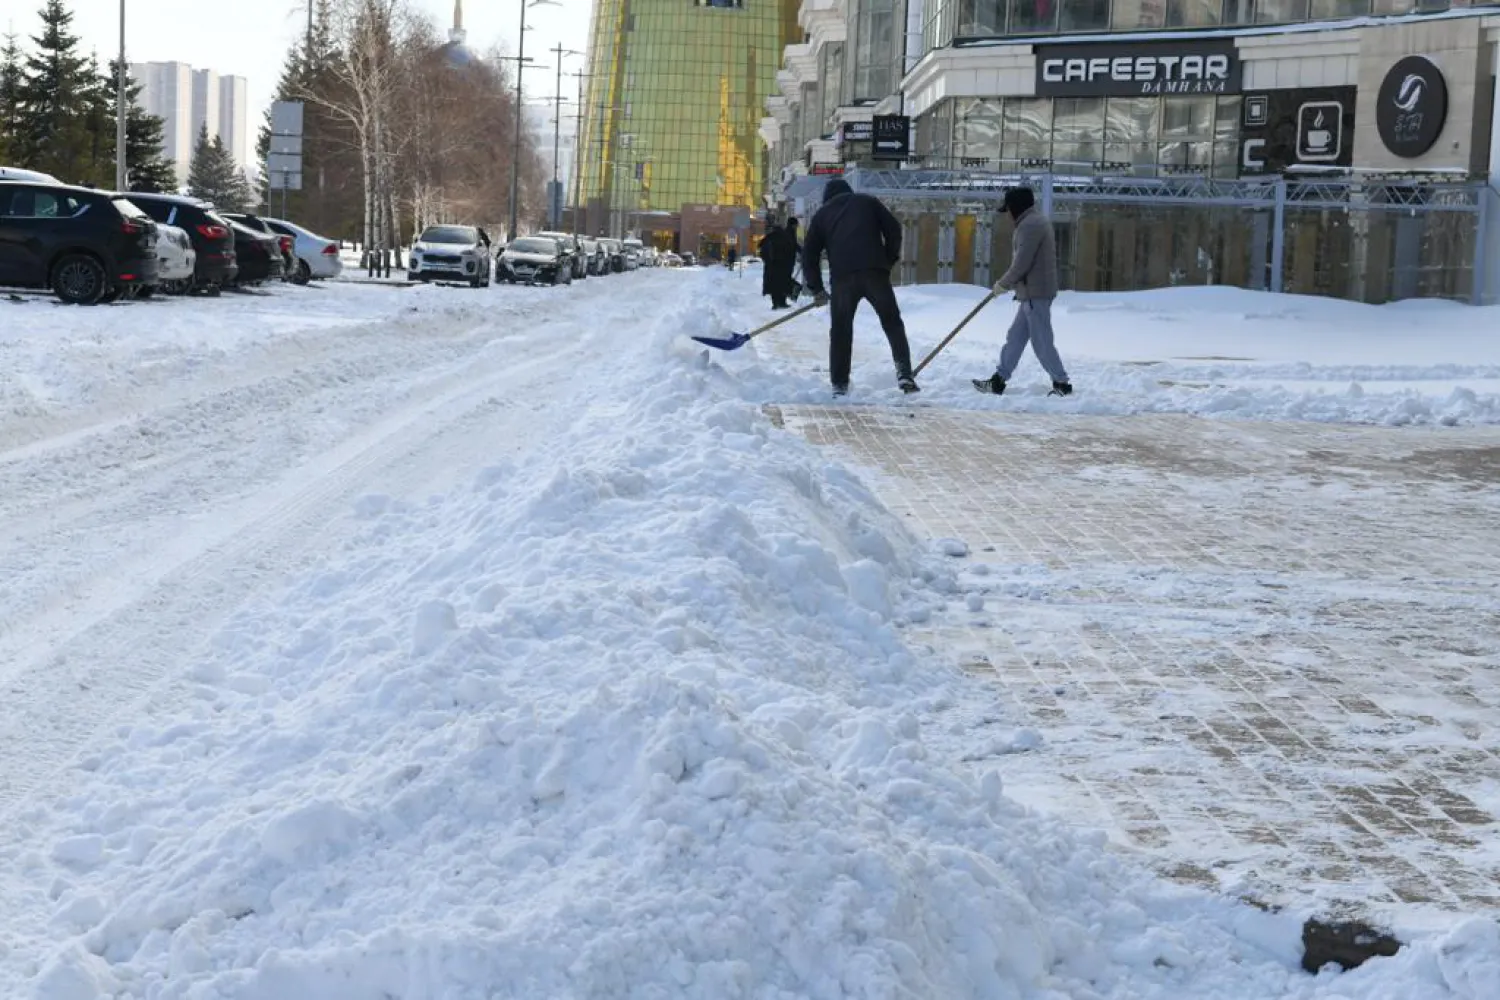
(630, 710)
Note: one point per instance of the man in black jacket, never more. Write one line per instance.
(863, 241)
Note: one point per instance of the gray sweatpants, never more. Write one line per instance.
(1033, 323)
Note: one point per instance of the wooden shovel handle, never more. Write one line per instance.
(962, 323)
(785, 319)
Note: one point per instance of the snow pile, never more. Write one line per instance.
(632, 718)
(1221, 352)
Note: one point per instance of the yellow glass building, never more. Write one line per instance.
(672, 108)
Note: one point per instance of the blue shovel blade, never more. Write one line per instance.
(733, 342)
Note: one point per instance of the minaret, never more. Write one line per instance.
(457, 35)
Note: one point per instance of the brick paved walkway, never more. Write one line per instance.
(1266, 654)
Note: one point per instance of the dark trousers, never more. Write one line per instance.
(781, 285)
(875, 288)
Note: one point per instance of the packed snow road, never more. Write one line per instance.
(164, 474)
(365, 643)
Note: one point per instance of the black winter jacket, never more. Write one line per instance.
(857, 231)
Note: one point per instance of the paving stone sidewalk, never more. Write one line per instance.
(1265, 654)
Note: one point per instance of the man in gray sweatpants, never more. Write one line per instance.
(1033, 275)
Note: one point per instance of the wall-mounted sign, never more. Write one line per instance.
(1125, 69)
(892, 137)
(1313, 127)
(826, 169)
(857, 131)
(1411, 107)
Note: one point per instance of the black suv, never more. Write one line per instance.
(213, 241)
(283, 241)
(87, 246)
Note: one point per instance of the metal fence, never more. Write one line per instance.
(1367, 239)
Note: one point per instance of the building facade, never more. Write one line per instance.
(188, 100)
(671, 113)
(1341, 147)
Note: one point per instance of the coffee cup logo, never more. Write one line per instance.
(1320, 131)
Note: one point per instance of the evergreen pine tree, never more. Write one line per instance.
(55, 96)
(10, 99)
(215, 177)
(148, 166)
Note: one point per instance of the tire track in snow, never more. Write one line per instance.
(78, 668)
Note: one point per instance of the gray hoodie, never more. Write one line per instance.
(1033, 266)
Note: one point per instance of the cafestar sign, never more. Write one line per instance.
(1134, 69)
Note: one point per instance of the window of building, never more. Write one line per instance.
(873, 48)
(831, 79)
(1077, 132)
(1026, 131)
(1033, 17)
(1330, 10)
(1128, 14)
(977, 125)
(1193, 13)
(1084, 15)
(980, 18)
(1279, 11)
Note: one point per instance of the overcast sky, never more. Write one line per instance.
(251, 39)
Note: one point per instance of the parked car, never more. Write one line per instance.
(614, 255)
(451, 253)
(670, 259)
(535, 260)
(213, 242)
(317, 257)
(259, 255)
(573, 247)
(633, 252)
(595, 257)
(689, 260)
(87, 246)
(175, 260)
(20, 174)
(283, 241)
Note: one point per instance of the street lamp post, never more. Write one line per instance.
(580, 137)
(121, 180)
(515, 157)
(554, 214)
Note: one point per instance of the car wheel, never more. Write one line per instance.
(78, 280)
(303, 273)
(145, 291)
(113, 295)
(215, 290)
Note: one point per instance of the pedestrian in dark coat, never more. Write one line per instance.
(767, 252)
(783, 261)
(863, 242)
(1033, 276)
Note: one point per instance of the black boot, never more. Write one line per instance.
(994, 384)
(1061, 389)
(905, 381)
(840, 389)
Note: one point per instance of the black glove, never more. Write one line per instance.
(820, 298)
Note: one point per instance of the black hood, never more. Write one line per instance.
(1018, 200)
(836, 187)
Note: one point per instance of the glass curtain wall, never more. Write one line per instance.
(1144, 136)
(831, 81)
(674, 100)
(943, 21)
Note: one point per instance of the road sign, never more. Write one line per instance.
(892, 137)
(284, 161)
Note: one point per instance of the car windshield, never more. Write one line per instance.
(533, 244)
(450, 234)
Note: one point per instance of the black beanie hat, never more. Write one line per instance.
(1018, 200)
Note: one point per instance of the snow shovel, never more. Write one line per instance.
(735, 341)
(962, 323)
